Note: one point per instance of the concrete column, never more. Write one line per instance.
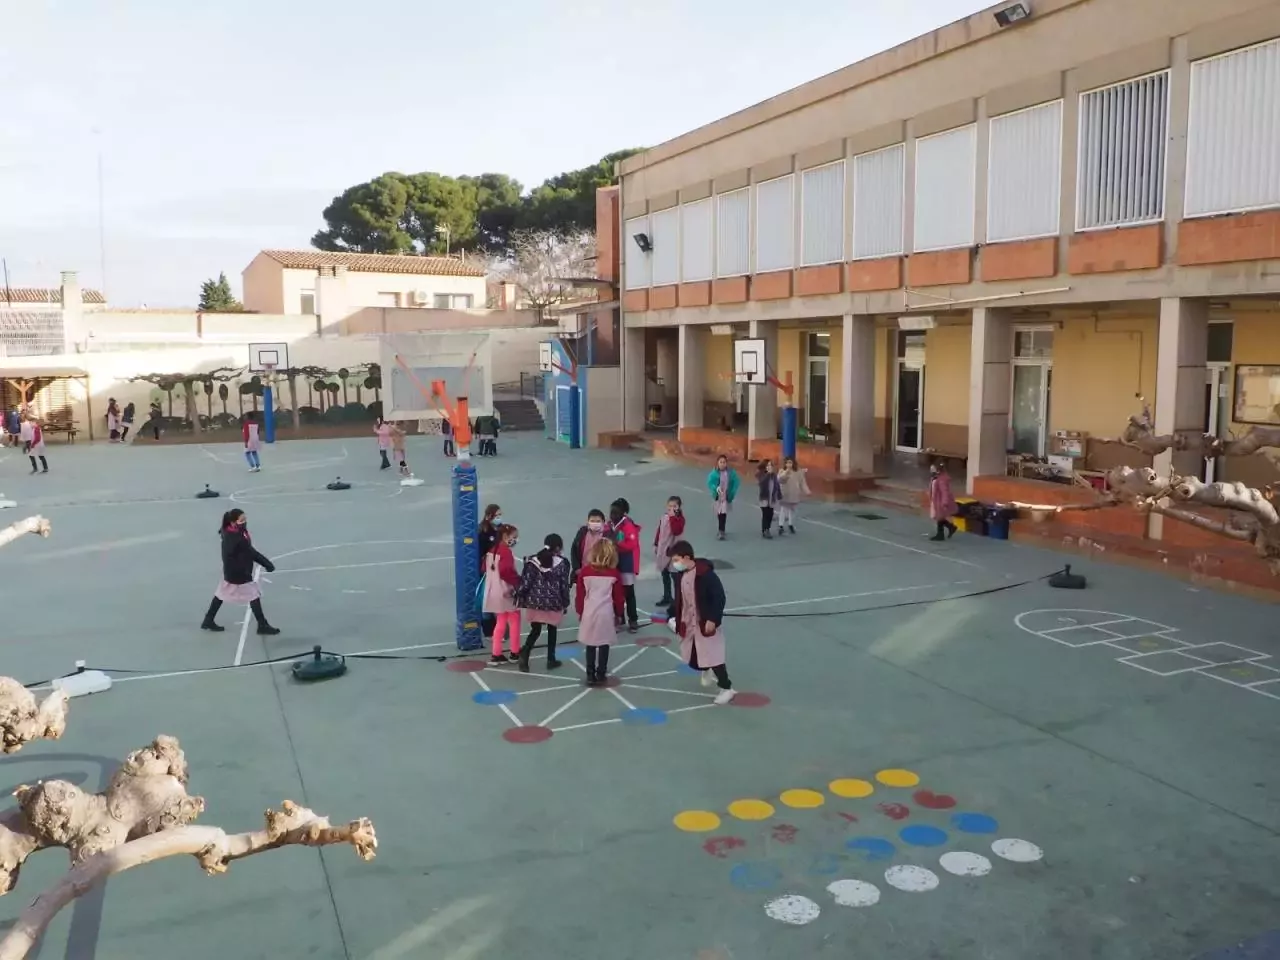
(990, 350)
(1180, 378)
(693, 341)
(762, 401)
(633, 379)
(857, 394)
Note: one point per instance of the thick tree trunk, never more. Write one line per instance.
(293, 402)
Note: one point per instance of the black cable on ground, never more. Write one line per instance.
(469, 654)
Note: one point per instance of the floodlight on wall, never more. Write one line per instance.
(643, 242)
(1013, 14)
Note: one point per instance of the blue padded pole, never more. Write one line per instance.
(790, 428)
(466, 553)
(268, 414)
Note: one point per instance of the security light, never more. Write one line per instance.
(643, 242)
(1014, 14)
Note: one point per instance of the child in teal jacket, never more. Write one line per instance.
(723, 484)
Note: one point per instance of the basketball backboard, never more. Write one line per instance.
(263, 355)
(750, 364)
(546, 359)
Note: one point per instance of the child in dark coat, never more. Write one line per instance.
(544, 592)
(238, 585)
(770, 496)
(589, 534)
(697, 617)
(626, 534)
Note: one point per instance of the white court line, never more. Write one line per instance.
(621, 699)
(696, 706)
(638, 653)
(502, 706)
(686, 693)
(359, 566)
(551, 689)
(562, 709)
(602, 723)
(890, 543)
(647, 676)
(104, 546)
(244, 627)
(1099, 624)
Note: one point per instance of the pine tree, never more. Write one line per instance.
(216, 297)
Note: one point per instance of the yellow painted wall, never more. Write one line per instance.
(718, 369)
(946, 375)
(1098, 367)
(1255, 340)
(882, 395)
(789, 359)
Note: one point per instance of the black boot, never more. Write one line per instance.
(552, 662)
(207, 624)
(264, 629)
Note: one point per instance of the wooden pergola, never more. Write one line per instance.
(25, 379)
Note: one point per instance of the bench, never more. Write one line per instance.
(62, 425)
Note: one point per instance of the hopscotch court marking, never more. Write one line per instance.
(1154, 647)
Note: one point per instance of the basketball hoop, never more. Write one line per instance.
(269, 372)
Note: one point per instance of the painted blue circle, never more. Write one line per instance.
(568, 653)
(755, 876)
(688, 670)
(974, 823)
(826, 865)
(923, 835)
(644, 717)
(872, 848)
(493, 698)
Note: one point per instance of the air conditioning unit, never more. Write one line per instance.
(573, 324)
(421, 298)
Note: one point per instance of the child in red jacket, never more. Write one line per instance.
(670, 529)
(626, 534)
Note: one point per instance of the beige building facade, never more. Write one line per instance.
(989, 240)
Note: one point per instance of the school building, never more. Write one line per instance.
(984, 244)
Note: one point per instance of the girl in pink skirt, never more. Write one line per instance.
(599, 601)
(544, 593)
(238, 585)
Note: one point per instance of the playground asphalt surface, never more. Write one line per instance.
(889, 742)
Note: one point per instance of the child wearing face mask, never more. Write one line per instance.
(626, 534)
(942, 503)
(589, 534)
(723, 484)
(697, 617)
(770, 496)
(500, 582)
(490, 524)
(670, 529)
(794, 489)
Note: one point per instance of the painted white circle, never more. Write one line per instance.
(1017, 851)
(910, 878)
(793, 909)
(964, 864)
(854, 893)
(7, 504)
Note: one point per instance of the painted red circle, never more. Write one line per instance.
(465, 666)
(612, 681)
(527, 734)
(747, 699)
(656, 641)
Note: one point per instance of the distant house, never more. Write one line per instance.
(284, 281)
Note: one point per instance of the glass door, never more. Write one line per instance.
(909, 406)
(817, 382)
(1216, 414)
(1029, 411)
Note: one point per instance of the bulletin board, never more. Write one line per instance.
(1257, 397)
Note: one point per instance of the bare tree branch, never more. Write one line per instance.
(37, 525)
(538, 258)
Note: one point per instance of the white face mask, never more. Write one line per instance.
(679, 566)
(595, 526)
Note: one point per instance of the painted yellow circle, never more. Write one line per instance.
(751, 810)
(852, 789)
(696, 821)
(897, 778)
(802, 799)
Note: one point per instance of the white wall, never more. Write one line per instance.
(362, 289)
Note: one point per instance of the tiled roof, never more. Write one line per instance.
(375, 263)
(44, 295)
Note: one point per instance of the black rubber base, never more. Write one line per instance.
(207, 494)
(338, 485)
(324, 667)
(1066, 580)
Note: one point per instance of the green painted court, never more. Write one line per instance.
(1019, 772)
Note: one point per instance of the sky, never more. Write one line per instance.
(226, 128)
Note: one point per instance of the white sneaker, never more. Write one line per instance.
(708, 678)
(725, 697)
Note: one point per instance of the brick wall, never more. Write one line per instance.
(1113, 251)
(1249, 236)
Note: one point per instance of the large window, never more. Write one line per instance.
(775, 226)
(945, 188)
(817, 379)
(733, 233)
(878, 203)
(666, 246)
(695, 241)
(635, 260)
(1120, 175)
(1233, 138)
(822, 214)
(453, 301)
(1024, 174)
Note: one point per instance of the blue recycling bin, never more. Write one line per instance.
(997, 523)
